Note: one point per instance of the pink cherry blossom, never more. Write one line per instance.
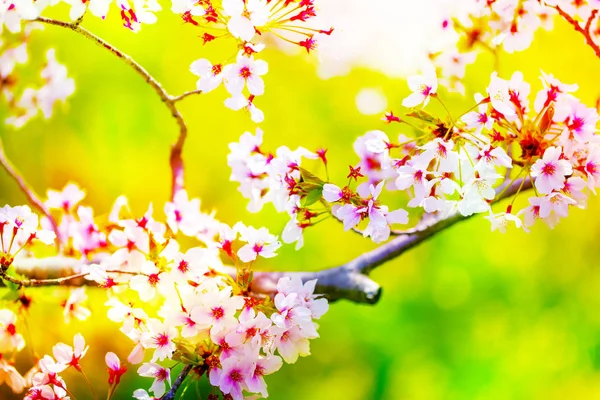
(160, 374)
(502, 220)
(245, 16)
(71, 356)
(10, 339)
(232, 378)
(550, 171)
(245, 72)
(73, 306)
(12, 377)
(115, 369)
(210, 76)
(498, 91)
(218, 309)
(259, 243)
(70, 196)
(263, 366)
(422, 86)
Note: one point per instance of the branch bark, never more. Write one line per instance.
(584, 30)
(175, 160)
(349, 281)
(170, 395)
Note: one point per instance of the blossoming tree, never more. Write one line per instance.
(203, 307)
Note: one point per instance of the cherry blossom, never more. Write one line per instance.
(246, 72)
(232, 378)
(176, 297)
(501, 221)
(245, 17)
(10, 339)
(160, 374)
(550, 171)
(159, 337)
(423, 87)
(115, 369)
(264, 366)
(259, 243)
(70, 196)
(71, 356)
(498, 91)
(12, 377)
(211, 76)
(218, 309)
(239, 102)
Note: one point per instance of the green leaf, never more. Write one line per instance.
(13, 287)
(12, 295)
(424, 116)
(308, 187)
(312, 197)
(310, 177)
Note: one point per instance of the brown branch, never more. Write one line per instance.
(349, 281)
(39, 282)
(585, 31)
(182, 96)
(32, 197)
(175, 160)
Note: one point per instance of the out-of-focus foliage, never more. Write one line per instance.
(469, 315)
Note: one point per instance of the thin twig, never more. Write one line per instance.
(40, 282)
(27, 282)
(32, 197)
(585, 31)
(176, 161)
(182, 96)
(170, 395)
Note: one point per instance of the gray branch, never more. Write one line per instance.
(349, 281)
(170, 395)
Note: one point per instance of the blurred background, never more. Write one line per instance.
(470, 314)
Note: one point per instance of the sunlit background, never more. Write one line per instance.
(470, 314)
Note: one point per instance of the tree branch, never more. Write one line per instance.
(349, 281)
(585, 31)
(32, 197)
(186, 94)
(175, 160)
(170, 395)
(40, 282)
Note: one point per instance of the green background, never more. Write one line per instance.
(470, 314)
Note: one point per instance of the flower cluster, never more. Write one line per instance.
(445, 165)
(247, 21)
(133, 13)
(174, 305)
(57, 86)
(19, 227)
(278, 178)
(508, 24)
(457, 164)
(46, 383)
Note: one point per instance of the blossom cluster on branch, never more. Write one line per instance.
(26, 103)
(250, 23)
(444, 165)
(510, 25)
(177, 306)
(182, 287)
